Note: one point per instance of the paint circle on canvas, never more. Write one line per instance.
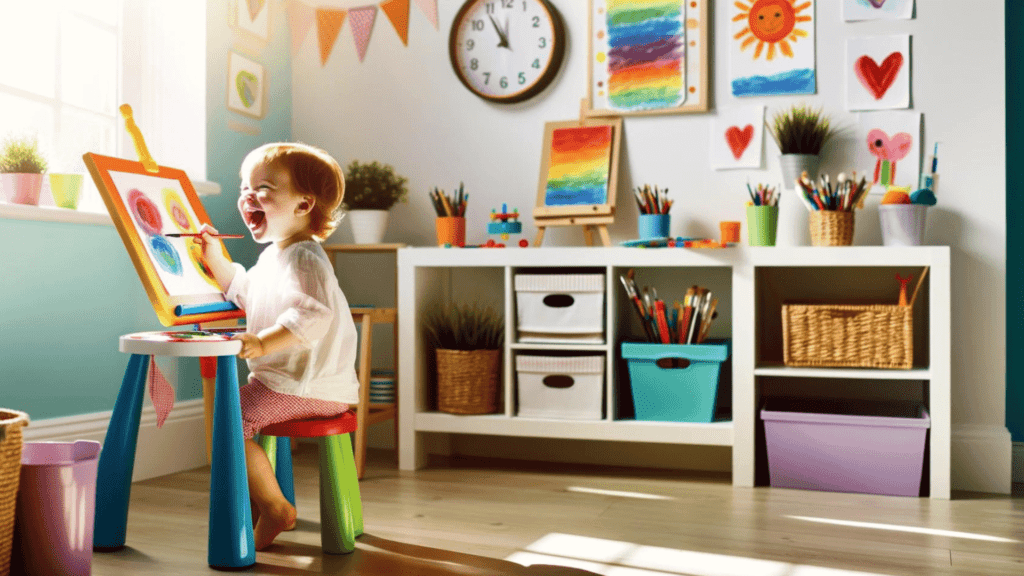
(195, 254)
(165, 255)
(176, 208)
(145, 211)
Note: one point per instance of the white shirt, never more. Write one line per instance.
(297, 289)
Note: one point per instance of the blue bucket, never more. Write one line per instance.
(676, 382)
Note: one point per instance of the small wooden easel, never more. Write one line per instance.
(590, 216)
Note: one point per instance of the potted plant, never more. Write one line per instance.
(21, 170)
(467, 340)
(800, 132)
(370, 191)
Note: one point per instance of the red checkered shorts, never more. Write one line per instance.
(262, 406)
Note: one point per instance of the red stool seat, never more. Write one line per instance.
(313, 427)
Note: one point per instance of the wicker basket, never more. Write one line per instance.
(831, 228)
(850, 335)
(11, 422)
(467, 381)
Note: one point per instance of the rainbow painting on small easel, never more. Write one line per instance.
(580, 160)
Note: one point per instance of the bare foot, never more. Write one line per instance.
(272, 522)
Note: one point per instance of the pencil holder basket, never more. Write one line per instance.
(762, 224)
(467, 381)
(451, 231)
(831, 228)
(850, 335)
(653, 226)
(11, 423)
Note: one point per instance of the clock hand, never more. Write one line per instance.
(506, 34)
(501, 35)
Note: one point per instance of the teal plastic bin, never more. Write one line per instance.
(677, 382)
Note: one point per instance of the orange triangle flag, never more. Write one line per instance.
(328, 25)
(398, 12)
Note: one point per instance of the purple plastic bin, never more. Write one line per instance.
(56, 505)
(846, 446)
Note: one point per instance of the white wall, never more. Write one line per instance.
(404, 106)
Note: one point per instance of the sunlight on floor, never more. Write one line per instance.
(616, 558)
(897, 528)
(620, 493)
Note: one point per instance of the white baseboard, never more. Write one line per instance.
(1018, 462)
(981, 458)
(179, 445)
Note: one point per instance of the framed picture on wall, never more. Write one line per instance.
(253, 17)
(646, 58)
(246, 86)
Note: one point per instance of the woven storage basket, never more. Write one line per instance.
(831, 228)
(850, 335)
(11, 422)
(467, 381)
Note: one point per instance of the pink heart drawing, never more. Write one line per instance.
(893, 149)
(877, 3)
(739, 139)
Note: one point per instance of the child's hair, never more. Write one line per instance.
(313, 172)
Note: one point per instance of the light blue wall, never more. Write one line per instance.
(68, 291)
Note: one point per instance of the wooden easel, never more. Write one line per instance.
(590, 216)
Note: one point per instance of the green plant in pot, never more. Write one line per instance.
(21, 170)
(371, 189)
(467, 339)
(800, 132)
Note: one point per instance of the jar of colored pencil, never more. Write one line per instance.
(451, 231)
(831, 227)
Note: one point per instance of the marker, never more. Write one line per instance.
(197, 235)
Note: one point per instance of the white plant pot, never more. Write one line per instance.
(794, 164)
(368, 226)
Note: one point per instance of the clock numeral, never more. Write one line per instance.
(524, 5)
(487, 77)
(504, 82)
(470, 44)
(522, 78)
(478, 25)
(543, 42)
(536, 63)
(506, 4)
(536, 21)
(473, 64)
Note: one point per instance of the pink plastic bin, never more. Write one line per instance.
(846, 446)
(56, 503)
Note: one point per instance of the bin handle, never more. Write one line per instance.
(673, 363)
(920, 280)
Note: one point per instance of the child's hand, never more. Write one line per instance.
(252, 346)
(213, 253)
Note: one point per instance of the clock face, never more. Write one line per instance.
(506, 50)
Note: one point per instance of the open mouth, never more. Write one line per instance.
(254, 217)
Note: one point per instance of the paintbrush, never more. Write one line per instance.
(197, 235)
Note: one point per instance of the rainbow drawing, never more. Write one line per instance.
(646, 53)
(579, 164)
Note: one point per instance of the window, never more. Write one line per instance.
(69, 64)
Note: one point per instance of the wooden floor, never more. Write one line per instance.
(473, 517)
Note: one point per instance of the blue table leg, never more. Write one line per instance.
(231, 545)
(283, 470)
(117, 459)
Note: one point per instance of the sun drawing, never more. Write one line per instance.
(771, 22)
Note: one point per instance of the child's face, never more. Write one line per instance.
(272, 209)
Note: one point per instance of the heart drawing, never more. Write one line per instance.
(256, 5)
(888, 151)
(739, 139)
(877, 79)
(246, 83)
(877, 3)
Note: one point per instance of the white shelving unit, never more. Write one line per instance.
(428, 277)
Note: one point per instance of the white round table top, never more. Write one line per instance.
(181, 343)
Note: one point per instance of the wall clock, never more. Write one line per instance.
(507, 50)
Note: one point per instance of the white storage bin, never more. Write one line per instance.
(560, 307)
(560, 387)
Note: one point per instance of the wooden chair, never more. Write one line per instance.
(369, 414)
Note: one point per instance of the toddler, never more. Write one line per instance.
(300, 341)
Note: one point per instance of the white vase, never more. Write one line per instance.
(368, 226)
(794, 164)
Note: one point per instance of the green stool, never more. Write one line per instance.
(341, 510)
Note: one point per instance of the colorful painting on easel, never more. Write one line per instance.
(771, 48)
(877, 10)
(889, 149)
(156, 208)
(737, 138)
(580, 159)
(878, 72)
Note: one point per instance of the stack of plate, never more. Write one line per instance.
(382, 387)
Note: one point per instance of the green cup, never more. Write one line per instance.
(762, 223)
(65, 189)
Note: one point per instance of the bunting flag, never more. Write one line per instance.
(429, 7)
(397, 12)
(362, 19)
(329, 21)
(300, 19)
